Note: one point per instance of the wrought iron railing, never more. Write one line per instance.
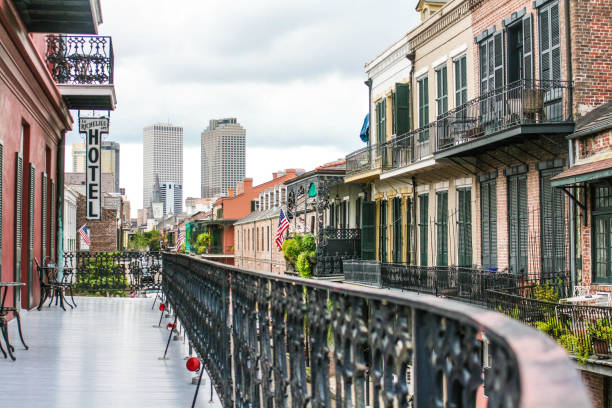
(467, 284)
(571, 325)
(363, 160)
(80, 59)
(113, 273)
(334, 246)
(271, 340)
(523, 102)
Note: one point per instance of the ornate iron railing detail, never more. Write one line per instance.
(113, 273)
(334, 246)
(275, 341)
(80, 59)
(467, 284)
(524, 102)
(363, 160)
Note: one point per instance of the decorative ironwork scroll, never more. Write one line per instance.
(275, 341)
(80, 59)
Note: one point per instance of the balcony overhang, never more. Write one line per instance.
(505, 137)
(89, 97)
(364, 176)
(407, 170)
(60, 16)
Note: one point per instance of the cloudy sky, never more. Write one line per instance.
(290, 71)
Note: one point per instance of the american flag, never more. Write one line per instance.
(180, 238)
(283, 225)
(84, 233)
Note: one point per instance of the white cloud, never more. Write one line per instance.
(291, 72)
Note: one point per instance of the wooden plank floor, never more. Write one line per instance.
(104, 353)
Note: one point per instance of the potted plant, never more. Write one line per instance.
(600, 333)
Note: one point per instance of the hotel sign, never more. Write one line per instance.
(93, 129)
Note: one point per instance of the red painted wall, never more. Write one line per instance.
(28, 97)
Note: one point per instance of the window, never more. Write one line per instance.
(517, 223)
(553, 223)
(442, 90)
(460, 81)
(491, 63)
(423, 204)
(602, 233)
(382, 236)
(381, 122)
(442, 228)
(464, 224)
(520, 50)
(488, 211)
(397, 229)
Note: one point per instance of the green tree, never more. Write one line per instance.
(202, 242)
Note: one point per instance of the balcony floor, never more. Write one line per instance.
(104, 353)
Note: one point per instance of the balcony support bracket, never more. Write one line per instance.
(578, 203)
(462, 166)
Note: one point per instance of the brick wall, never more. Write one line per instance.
(595, 387)
(591, 53)
(103, 233)
(599, 143)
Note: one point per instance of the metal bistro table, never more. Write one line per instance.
(54, 287)
(4, 310)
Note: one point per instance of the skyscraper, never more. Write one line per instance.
(223, 155)
(163, 156)
(171, 196)
(110, 160)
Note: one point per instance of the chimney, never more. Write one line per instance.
(274, 175)
(230, 192)
(248, 184)
(239, 187)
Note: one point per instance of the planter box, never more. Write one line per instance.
(601, 348)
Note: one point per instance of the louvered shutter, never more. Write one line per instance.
(402, 107)
(423, 220)
(484, 68)
(498, 61)
(31, 203)
(18, 220)
(488, 205)
(528, 47)
(550, 42)
(52, 227)
(383, 120)
(368, 230)
(397, 229)
(465, 227)
(382, 236)
(553, 223)
(442, 228)
(409, 232)
(518, 221)
(44, 199)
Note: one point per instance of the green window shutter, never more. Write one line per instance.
(460, 81)
(423, 220)
(409, 231)
(18, 220)
(368, 230)
(44, 199)
(31, 203)
(383, 120)
(550, 44)
(397, 229)
(488, 207)
(393, 114)
(442, 90)
(498, 60)
(465, 227)
(402, 107)
(552, 223)
(517, 223)
(382, 236)
(528, 47)
(442, 228)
